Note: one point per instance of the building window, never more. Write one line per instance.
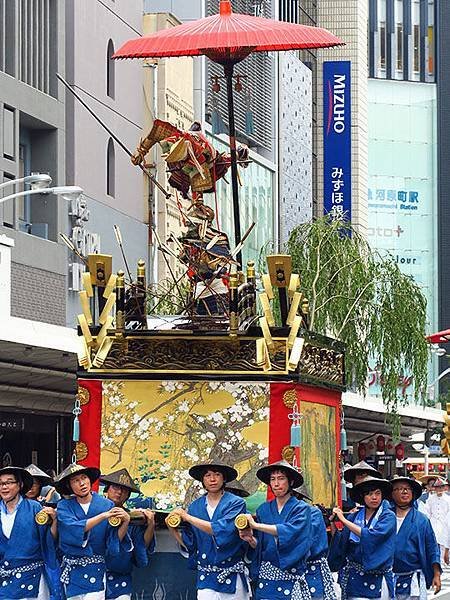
(399, 34)
(383, 45)
(110, 169)
(430, 43)
(110, 71)
(416, 49)
(9, 133)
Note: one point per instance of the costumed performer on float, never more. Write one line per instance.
(85, 536)
(280, 537)
(25, 547)
(119, 567)
(417, 557)
(363, 552)
(210, 536)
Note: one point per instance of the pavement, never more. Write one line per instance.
(444, 594)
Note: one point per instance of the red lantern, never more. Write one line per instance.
(381, 443)
(362, 451)
(409, 467)
(441, 467)
(420, 467)
(399, 452)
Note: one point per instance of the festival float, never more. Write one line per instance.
(237, 376)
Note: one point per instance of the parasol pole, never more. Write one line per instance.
(228, 68)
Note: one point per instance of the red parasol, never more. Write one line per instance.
(228, 38)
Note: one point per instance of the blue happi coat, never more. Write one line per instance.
(318, 574)
(416, 549)
(83, 563)
(364, 561)
(218, 558)
(279, 562)
(23, 555)
(119, 567)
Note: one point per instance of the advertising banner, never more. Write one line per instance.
(337, 140)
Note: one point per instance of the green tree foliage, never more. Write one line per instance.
(363, 299)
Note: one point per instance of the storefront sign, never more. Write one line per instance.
(12, 423)
(337, 143)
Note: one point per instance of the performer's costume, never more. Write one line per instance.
(218, 558)
(416, 550)
(318, 574)
(53, 575)
(119, 566)
(281, 561)
(25, 548)
(363, 562)
(83, 563)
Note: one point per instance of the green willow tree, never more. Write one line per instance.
(362, 298)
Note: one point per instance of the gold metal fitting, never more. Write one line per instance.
(115, 521)
(141, 268)
(173, 520)
(251, 273)
(241, 522)
(42, 518)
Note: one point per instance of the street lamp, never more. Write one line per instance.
(69, 192)
(35, 180)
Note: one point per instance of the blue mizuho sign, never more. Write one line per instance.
(337, 140)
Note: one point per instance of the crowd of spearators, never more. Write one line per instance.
(85, 546)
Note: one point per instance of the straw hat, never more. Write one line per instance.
(413, 483)
(264, 473)
(122, 478)
(21, 474)
(39, 474)
(358, 469)
(62, 481)
(198, 471)
(369, 483)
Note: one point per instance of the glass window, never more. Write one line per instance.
(110, 71)
(110, 169)
(399, 34)
(430, 43)
(416, 49)
(382, 45)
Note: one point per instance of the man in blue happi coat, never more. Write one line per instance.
(363, 552)
(417, 555)
(280, 537)
(318, 574)
(119, 567)
(85, 535)
(211, 538)
(25, 546)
